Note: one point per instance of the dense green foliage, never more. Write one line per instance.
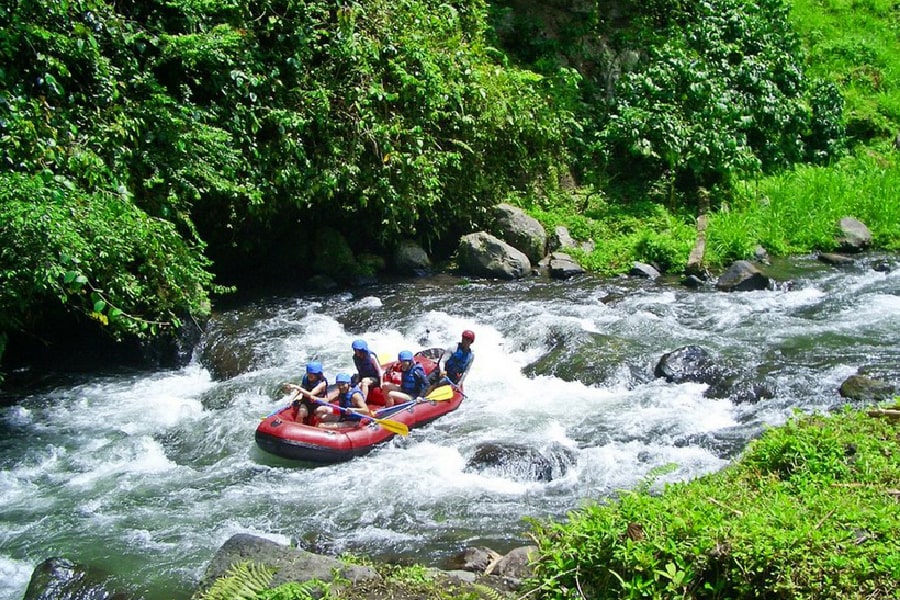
(798, 211)
(243, 581)
(810, 511)
(854, 44)
(689, 94)
(96, 254)
(228, 136)
(249, 126)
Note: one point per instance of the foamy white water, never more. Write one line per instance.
(148, 475)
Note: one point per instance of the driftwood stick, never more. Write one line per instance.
(719, 504)
(823, 519)
(890, 413)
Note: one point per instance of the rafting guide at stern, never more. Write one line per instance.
(455, 363)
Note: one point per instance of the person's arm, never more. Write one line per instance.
(442, 362)
(374, 360)
(323, 409)
(318, 391)
(422, 378)
(360, 405)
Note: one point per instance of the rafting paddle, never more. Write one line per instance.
(389, 424)
(440, 394)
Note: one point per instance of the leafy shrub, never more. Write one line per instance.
(808, 511)
(96, 254)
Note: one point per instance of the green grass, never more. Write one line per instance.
(854, 43)
(810, 511)
(798, 211)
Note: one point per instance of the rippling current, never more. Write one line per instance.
(146, 475)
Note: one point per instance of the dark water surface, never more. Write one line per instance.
(148, 474)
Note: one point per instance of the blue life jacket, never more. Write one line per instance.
(457, 363)
(414, 381)
(345, 400)
(308, 385)
(364, 365)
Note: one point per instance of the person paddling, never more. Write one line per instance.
(346, 397)
(313, 386)
(368, 369)
(455, 363)
(413, 381)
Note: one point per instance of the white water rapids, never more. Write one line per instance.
(148, 474)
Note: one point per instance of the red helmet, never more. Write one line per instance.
(468, 334)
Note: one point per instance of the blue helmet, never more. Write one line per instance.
(342, 378)
(359, 345)
(405, 355)
(314, 367)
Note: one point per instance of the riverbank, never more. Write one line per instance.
(809, 510)
(147, 474)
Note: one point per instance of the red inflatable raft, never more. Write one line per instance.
(282, 435)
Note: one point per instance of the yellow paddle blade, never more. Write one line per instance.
(385, 358)
(445, 392)
(393, 426)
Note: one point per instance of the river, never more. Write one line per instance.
(147, 474)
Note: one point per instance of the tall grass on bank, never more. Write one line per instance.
(854, 44)
(798, 211)
(809, 511)
(611, 236)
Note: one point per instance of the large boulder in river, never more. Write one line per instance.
(486, 256)
(60, 579)
(742, 276)
(521, 231)
(291, 564)
(519, 462)
(409, 257)
(690, 364)
(864, 388)
(854, 236)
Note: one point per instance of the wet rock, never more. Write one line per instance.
(521, 463)
(688, 364)
(693, 281)
(561, 239)
(643, 270)
(563, 266)
(484, 255)
(725, 443)
(291, 564)
(854, 237)
(838, 260)
(742, 276)
(476, 559)
(739, 391)
(863, 388)
(60, 579)
(321, 283)
(515, 566)
(521, 231)
(588, 357)
(409, 257)
(223, 353)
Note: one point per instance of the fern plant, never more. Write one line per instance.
(243, 581)
(313, 589)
